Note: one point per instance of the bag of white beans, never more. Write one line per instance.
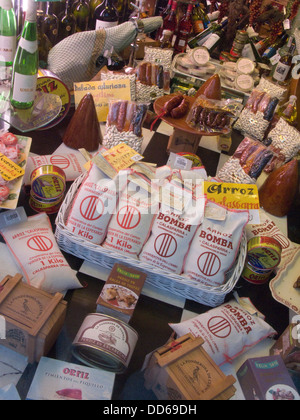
(33, 246)
(228, 330)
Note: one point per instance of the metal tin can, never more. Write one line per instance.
(241, 35)
(49, 207)
(105, 342)
(264, 253)
(48, 182)
(255, 276)
(191, 156)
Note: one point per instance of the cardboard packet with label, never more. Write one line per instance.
(267, 378)
(121, 292)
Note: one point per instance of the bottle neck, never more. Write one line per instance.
(6, 4)
(31, 11)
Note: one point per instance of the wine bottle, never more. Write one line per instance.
(106, 15)
(166, 39)
(170, 21)
(199, 39)
(200, 19)
(50, 24)
(8, 32)
(272, 49)
(214, 40)
(93, 4)
(283, 69)
(163, 13)
(25, 65)
(288, 111)
(81, 11)
(184, 30)
(67, 24)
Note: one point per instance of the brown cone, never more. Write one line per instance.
(278, 192)
(83, 130)
(211, 88)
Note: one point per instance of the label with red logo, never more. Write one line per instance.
(36, 252)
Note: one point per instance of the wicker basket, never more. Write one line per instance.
(174, 283)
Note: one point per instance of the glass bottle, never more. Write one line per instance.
(81, 11)
(184, 31)
(214, 40)
(199, 39)
(163, 13)
(272, 49)
(25, 66)
(170, 21)
(288, 111)
(166, 39)
(93, 4)
(262, 45)
(50, 24)
(8, 33)
(106, 15)
(283, 69)
(200, 19)
(67, 24)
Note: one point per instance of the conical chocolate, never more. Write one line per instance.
(278, 192)
(83, 130)
(211, 88)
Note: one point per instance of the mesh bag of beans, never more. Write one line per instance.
(33, 246)
(284, 141)
(124, 124)
(173, 228)
(93, 206)
(228, 330)
(255, 118)
(247, 163)
(215, 245)
(131, 224)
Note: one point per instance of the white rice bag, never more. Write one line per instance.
(93, 206)
(33, 246)
(131, 224)
(228, 330)
(173, 229)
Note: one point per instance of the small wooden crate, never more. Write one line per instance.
(182, 370)
(33, 318)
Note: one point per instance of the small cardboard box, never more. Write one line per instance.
(33, 318)
(121, 292)
(288, 347)
(182, 370)
(266, 378)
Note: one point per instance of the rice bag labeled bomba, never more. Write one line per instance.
(247, 163)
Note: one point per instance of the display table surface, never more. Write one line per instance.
(155, 310)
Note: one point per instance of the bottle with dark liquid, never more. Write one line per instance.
(106, 15)
(81, 11)
(184, 31)
(50, 24)
(67, 24)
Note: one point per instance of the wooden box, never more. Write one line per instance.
(33, 318)
(182, 370)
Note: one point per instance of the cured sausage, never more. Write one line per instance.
(168, 106)
(181, 109)
(121, 115)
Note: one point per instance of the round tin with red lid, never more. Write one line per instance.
(263, 253)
